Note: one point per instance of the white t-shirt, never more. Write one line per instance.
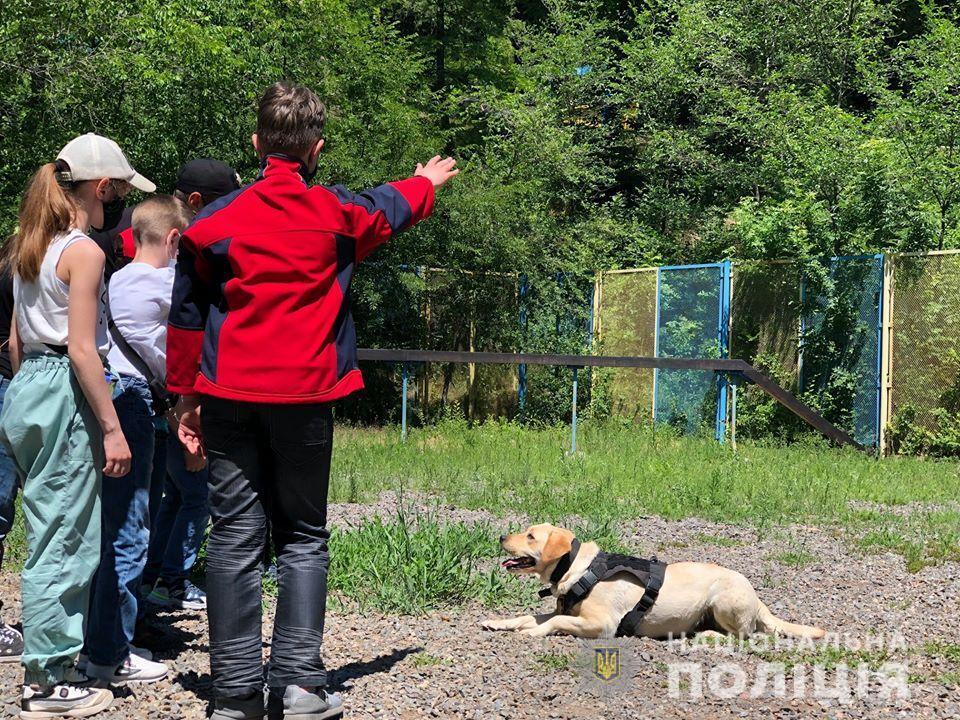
(41, 305)
(140, 304)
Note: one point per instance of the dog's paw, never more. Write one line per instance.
(494, 624)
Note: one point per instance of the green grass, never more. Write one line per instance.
(948, 651)
(828, 657)
(924, 538)
(553, 660)
(423, 659)
(417, 564)
(414, 565)
(625, 472)
(795, 558)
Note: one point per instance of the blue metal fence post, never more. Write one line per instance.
(882, 260)
(573, 418)
(656, 346)
(723, 340)
(403, 407)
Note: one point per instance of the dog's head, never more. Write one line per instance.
(536, 549)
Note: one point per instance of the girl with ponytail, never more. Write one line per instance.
(58, 421)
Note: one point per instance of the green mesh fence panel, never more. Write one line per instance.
(388, 309)
(557, 310)
(470, 311)
(765, 318)
(925, 342)
(689, 308)
(765, 331)
(627, 326)
(841, 344)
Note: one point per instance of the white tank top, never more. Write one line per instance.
(41, 305)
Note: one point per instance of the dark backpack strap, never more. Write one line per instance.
(161, 402)
(631, 621)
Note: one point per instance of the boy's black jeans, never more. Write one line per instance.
(269, 468)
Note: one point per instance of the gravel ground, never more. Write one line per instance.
(445, 666)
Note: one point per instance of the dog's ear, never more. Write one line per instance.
(558, 544)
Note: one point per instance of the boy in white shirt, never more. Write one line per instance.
(139, 304)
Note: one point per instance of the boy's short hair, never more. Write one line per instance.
(290, 120)
(154, 218)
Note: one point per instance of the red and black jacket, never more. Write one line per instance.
(261, 300)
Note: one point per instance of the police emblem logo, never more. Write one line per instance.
(606, 663)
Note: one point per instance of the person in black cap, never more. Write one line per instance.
(199, 183)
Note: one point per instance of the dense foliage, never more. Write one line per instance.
(592, 135)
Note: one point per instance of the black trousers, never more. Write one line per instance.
(269, 473)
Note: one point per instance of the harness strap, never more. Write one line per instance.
(630, 622)
(606, 565)
(580, 590)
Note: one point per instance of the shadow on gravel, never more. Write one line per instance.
(161, 634)
(202, 686)
(382, 663)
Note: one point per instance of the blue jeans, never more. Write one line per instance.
(9, 484)
(181, 522)
(157, 481)
(126, 533)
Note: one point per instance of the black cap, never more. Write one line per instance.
(210, 178)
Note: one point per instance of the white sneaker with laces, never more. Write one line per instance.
(63, 701)
(140, 652)
(135, 670)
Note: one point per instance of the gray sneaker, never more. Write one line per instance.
(305, 705)
(250, 708)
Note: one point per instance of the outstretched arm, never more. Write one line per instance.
(381, 212)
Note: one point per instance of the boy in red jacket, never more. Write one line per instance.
(262, 337)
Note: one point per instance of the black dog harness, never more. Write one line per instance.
(604, 566)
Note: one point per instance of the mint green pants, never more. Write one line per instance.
(57, 448)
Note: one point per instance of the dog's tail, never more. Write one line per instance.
(770, 623)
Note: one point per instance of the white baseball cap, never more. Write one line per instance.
(93, 156)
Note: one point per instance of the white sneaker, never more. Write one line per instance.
(135, 670)
(64, 700)
(139, 652)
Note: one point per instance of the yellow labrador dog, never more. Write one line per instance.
(694, 597)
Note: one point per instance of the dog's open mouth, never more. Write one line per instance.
(518, 563)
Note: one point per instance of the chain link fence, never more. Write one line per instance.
(922, 371)
(871, 342)
(627, 325)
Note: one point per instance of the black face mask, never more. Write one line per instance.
(308, 174)
(112, 212)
